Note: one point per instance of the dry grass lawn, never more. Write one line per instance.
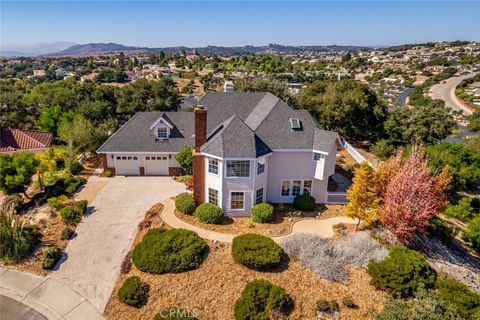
(211, 290)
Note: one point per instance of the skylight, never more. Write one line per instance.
(295, 123)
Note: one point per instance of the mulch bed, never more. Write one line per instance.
(50, 226)
(282, 224)
(211, 290)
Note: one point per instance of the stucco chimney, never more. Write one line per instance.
(200, 127)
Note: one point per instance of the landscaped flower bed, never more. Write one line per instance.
(211, 290)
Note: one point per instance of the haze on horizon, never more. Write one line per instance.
(29, 26)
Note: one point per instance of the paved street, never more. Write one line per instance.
(11, 309)
(94, 256)
(446, 92)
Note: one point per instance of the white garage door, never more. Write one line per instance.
(156, 166)
(127, 165)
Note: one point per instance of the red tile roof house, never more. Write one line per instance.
(18, 140)
(249, 147)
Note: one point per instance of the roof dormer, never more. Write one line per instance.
(161, 128)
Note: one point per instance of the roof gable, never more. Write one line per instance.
(162, 119)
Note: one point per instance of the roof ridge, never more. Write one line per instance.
(28, 136)
(265, 116)
(114, 133)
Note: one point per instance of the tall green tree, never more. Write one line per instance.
(347, 106)
(16, 172)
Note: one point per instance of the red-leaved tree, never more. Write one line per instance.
(413, 197)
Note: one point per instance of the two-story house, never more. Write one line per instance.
(249, 147)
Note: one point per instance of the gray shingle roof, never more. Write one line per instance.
(136, 135)
(240, 125)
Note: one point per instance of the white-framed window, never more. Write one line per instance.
(285, 188)
(307, 187)
(260, 167)
(213, 196)
(318, 156)
(296, 187)
(292, 188)
(237, 200)
(213, 166)
(162, 133)
(238, 168)
(259, 196)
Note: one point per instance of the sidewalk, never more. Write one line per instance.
(45, 296)
(321, 227)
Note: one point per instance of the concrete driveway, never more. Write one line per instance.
(94, 256)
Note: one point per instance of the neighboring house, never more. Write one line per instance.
(17, 140)
(61, 73)
(250, 147)
(39, 73)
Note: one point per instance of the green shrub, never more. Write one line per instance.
(51, 257)
(17, 240)
(175, 250)
(209, 213)
(304, 202)
(256, 251)
(349, 303)
(131, 291)
(185, 159)
(74, 167)
(328, 306)
(72, 214)
(174, 314)
(427, 305)
(442, 230)
(67, 234)
(58, 202)
(472, 234)
(460, 297)
(262, 213)
(463, 210)
(106, 173)
(382, 149)
(71, 184)
(259, 298)
(185, 203)
(401, 272)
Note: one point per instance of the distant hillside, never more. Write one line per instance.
(91, 48)
(99, 48)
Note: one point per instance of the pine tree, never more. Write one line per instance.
(362, 195)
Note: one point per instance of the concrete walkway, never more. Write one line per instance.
(321, 227)
(94, 256)
(38, 297)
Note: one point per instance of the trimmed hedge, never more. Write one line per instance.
(131, 291)
(262, 213)
(51, 257)
(185, 203)
(163, 251)
(209, 213)
(174, 314)
(401, 272)
(259, 298)
(304, 202)
(256, 251)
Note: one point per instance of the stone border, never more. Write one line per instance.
(305, 225)
(47, 296)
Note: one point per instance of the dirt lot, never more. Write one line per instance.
(282, 224)
(211, 290)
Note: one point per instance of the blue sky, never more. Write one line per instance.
(160, 23)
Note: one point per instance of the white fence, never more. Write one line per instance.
(337, 198)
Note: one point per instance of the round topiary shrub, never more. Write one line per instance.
(131, 292)
(51, 257)
(304, 202)
(256, 251)
(209, 213)
(259, 299)
(185, 203)
(262, 212)
(174, 314)
(163, 251)
(401, 272)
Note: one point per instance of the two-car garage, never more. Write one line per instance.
(153, 165)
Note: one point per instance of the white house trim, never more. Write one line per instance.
(161, 119)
